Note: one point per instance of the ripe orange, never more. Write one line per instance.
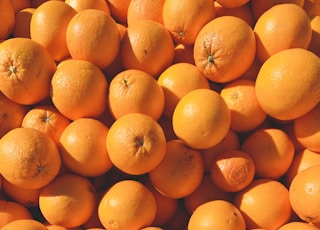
(176, 81)
(11, 211)
(26, 69)
(282, 76)
(7, 19)
(83, 149)
(28, 224)
(79, 89)
(79, 5)
(128, 204)
(119, 10)
(22, 23)
(48, 27)
(145, 10)
(301, 161)
(201, 118)
(103, 44)
(295, 225)
(217, 214)
(136, 143)
(185, 19)
(271, 150)
(205, 192)
(314, 45)
(26, 197)
(135, 91)
(232, 171)
(216, 49)
(11, 114)
(47, 119)
(306, 129)
(147, 45)
(29, 158)
(246, 112)
(229, 143)
(67, 201)
(179, 173)
(264, 204)
(57, 227)
(296, 34)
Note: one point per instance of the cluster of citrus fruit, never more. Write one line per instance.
(159, 114)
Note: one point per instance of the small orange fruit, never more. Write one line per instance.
(29, 158)
(147, 45)
(179, 173)
(232, 171)
(201, 118)
(128, 204)
(314, 45)
(295, 225)
(25, 224)
(26, 69)
(68, 201)
(264, 204)
(103, 44)
(216, 49)
(304, 194)
(79, 5)
(83, 149)
(119, 10)
(217, 214)
(136, 143)
(135, 91)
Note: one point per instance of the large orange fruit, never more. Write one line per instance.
(286, 87)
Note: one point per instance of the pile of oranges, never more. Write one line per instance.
(159, 115)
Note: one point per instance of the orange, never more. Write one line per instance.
(79, 89)
(79, 5)
(119, 10)
(216, 49)
(296, 34)
(244, 11)
(264, 204)
(20, 5)
(217, 214)
(68, 201)
(26, 197)
(7, 19)
(135, 91)
(26, 69)
(205, 192)
(271, 150)
(176, 81)
(128, 204)
(301, 161)
(246, 112)
(232, 171)
(57, 227)
(306, 129)
(229, 143)
(11, 211)
(295, 225)
(183, 53)
(304, 194)
(25, 224)
(12, 114)
(312, 7)
(48, 27)
(47, 119)
(314, 45)
(179, 173)
(147, 45)
(259, 7)
(22, 23)
(103, 44)
(185, 19)
(29, 158)
(136, 143)
(201, 118)
(282, 76)
(166, 206)
(82, 147)
(145, 10)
